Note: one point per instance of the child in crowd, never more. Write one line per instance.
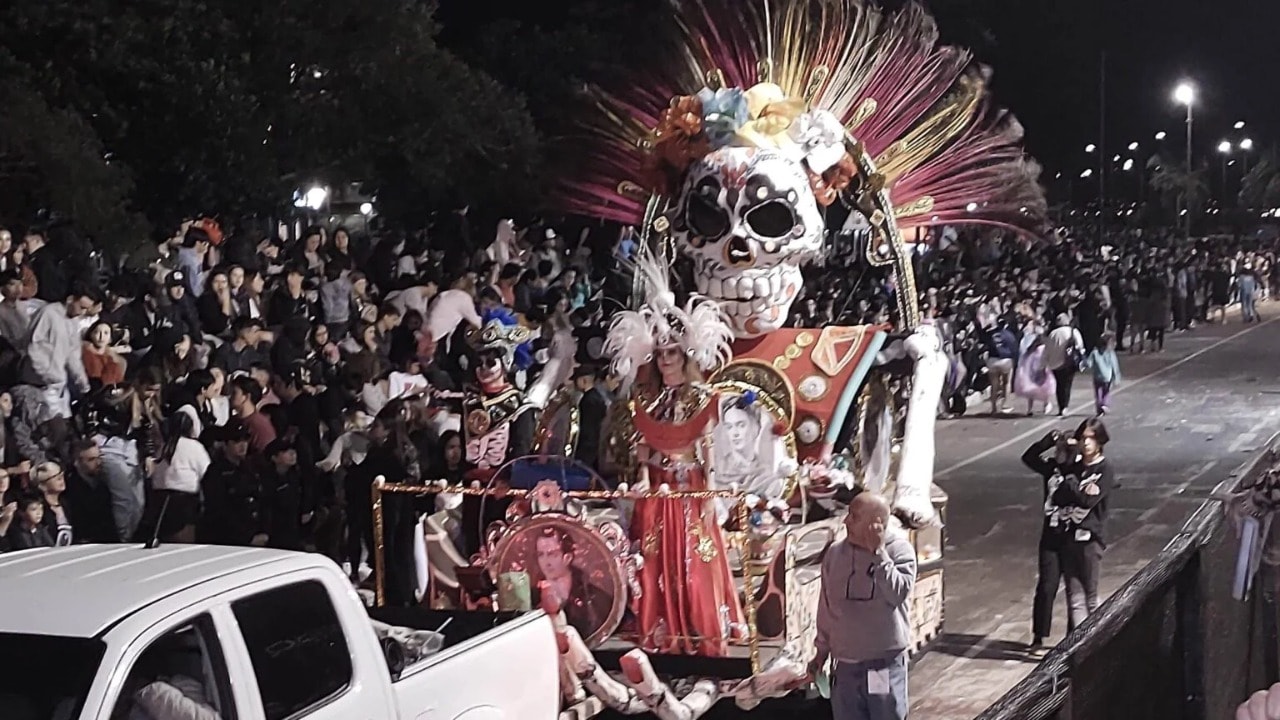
(1105, 365)
(30, 531)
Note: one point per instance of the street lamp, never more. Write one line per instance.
(1225, 148)
(1161, 135)
(315, 197)
(1090, 148)
(1088, 173)
(1185, 94)
(1240, 125)
(1133, 146)
(1128, 164)
(1246, 145)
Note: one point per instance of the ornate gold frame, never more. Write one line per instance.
(380, 486)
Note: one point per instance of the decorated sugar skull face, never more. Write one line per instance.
(748, 220)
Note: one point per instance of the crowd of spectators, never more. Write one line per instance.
(996, 297)
(247, 390)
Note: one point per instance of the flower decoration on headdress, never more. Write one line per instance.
(723, 112)
(762, 116)
(501, 330)
(678, 142)
(819, 137)
(698, 328)
(828, 185)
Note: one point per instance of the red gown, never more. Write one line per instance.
(689, 603)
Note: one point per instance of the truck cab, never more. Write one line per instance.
(220, 633)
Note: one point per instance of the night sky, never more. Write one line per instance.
(1046, 58)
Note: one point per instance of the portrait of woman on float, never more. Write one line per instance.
(746, 448)
(664, 351)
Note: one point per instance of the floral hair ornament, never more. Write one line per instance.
(698, 328)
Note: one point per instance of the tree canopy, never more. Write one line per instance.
(124, 114)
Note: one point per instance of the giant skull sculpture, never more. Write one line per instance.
(748, 219)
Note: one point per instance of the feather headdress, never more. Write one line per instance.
(698, 329)
(920, 113)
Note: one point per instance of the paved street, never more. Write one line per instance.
(1181, 423)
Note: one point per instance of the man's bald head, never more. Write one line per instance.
(867, 519)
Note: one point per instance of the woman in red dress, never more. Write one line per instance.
(689, 603)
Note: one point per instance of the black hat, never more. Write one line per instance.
(278, 446)
(177, 278)
(232, 432)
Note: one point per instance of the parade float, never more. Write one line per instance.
(685, 567)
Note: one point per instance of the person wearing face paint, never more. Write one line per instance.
(1077, 484)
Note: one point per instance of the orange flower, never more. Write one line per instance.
(678, 142)
(828, 186)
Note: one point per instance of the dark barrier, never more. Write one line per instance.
(1171, 643)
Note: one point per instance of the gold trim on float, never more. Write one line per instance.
(762, 375)
(865, 110)
(817, 77)
(920, 206)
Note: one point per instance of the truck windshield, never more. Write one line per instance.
(46, 677)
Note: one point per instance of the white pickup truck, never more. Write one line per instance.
(195, 632)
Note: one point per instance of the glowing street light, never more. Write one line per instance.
(315, 197)
(1115, 159)
(1133, 146)
(1184, 94)
(1246, 144)
(1090, 148)
(1240, 125)
(1224, 147)
(1088, 172)
(1128, 164)
(366, 208)
(1161, 135)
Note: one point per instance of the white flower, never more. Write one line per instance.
(820, 137)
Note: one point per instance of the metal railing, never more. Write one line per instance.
(1171, 643)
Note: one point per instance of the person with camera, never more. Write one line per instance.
(1077, 484)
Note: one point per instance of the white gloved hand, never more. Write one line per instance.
(1262, 705)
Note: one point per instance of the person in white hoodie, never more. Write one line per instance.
(182, 465)
(1063, 351)
(54, 360)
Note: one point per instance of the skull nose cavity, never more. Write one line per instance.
(739, 252)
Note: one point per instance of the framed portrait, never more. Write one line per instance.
(553, 552)
(747, 448)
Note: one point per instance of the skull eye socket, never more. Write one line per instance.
(774, 219)
(706, 218)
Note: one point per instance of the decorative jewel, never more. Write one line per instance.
(813, 388)
(809, 431)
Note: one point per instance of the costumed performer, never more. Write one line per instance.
(688, 603)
